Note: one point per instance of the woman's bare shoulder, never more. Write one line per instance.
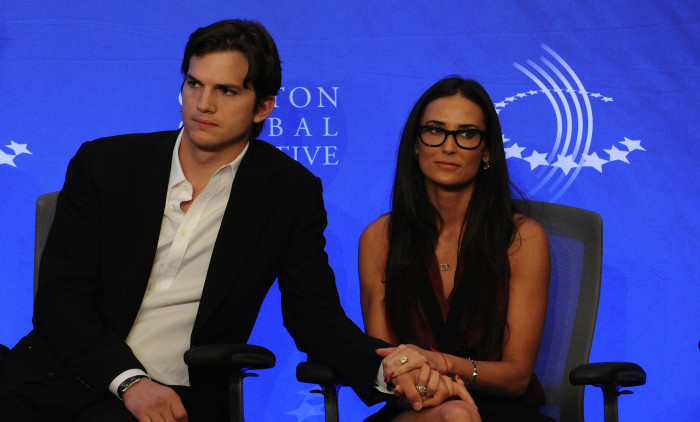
(529, 232)
(376, 231)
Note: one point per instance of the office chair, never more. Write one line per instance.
(576, 247)
(234, 359)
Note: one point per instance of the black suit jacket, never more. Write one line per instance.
(101, 247)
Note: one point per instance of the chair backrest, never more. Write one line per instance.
(576, 247)
(45, 210)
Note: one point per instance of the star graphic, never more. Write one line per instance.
(617, 155)
(595, 95)
(565, 163)
(7, 159)
(510, 99)
(514, 151)
(607, 99)
(632, 145)
(537, 159)
(501, 104)
(583, 91)
(594, 161)
(521, 95)
(305, 410)
(505, 139)
(18, 148)
(531, 92)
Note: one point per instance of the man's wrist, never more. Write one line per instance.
(128, 383)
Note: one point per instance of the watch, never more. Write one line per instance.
(128, 383)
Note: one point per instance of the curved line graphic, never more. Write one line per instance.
(545, 91)
(589, 114)
(579, 119)
(560, 94)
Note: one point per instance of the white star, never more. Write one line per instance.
(565, 163)
(531, 92)
(537, 159)
(18, 148)
(7, 159)
(505, 139)
(501, 104)
(305, 410)
(521, 95)
(595, 95)
(617, 155)
(510, 99)
(514, 151)
(594, 161)
(632, 145)
(607, 99)
(583, 91)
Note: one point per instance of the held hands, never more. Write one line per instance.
(149, 401)
(418, 380)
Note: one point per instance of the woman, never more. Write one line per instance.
(454, 276)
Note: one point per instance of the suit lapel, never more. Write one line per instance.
(142, 210)
(251, 203)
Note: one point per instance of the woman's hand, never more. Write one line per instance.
(427, 387)
(407, 357)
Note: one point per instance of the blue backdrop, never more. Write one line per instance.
(598, 103)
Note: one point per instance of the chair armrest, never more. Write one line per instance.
(314, 373)
(228, 356)
(624, 374)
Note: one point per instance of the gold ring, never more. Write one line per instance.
(421, 389)
(403, 359)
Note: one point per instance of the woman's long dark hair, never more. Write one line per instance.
(487, 232)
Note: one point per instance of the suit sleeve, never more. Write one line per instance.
(70, 313)
(311, 307)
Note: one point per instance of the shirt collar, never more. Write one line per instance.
(178, 176)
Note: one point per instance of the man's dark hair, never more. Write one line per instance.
(254, 42)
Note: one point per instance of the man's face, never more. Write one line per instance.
(217, 110)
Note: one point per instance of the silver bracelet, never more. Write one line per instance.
(471, 381)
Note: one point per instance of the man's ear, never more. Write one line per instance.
(264, 109)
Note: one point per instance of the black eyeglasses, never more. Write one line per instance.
(435, 136)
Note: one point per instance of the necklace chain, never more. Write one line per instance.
(448, 267)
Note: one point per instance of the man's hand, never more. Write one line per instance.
(149, 401)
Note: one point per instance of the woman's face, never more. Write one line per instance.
(449, 167)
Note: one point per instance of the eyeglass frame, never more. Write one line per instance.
(447, 133)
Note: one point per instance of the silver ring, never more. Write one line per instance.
(421, 389)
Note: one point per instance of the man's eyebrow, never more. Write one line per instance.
(230, 87)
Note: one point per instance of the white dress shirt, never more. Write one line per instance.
(161, 333)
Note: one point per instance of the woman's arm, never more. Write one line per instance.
(372, 255)
(527, 307)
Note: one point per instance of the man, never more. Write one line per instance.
(170, 240)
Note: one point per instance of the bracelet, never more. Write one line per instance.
(471, 381)
(447, 367)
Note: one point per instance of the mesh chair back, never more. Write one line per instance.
(576, 247)
(45, 210)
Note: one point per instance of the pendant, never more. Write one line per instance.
(444, 267)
